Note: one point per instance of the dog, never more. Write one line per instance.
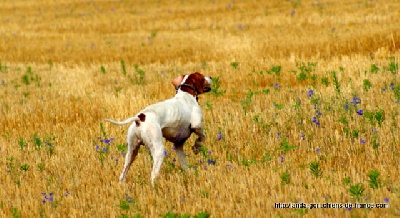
(174, 119)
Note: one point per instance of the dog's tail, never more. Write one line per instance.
(121, 123)
(137, 119)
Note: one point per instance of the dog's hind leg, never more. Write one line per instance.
(133, 148)
(153, 140)
(158, 158)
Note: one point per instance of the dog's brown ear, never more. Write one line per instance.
(177, 81)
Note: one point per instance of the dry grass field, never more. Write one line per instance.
(304, 107)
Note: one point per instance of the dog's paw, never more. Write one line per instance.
(196, 149)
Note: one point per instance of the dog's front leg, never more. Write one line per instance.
(181, 155)
(197, 127)
(200, 140)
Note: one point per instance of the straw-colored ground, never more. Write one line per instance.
(68, 65)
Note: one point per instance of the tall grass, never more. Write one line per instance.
(304, 107)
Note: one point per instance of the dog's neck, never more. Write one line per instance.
(184, 87)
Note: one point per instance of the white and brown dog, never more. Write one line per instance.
(175, 119)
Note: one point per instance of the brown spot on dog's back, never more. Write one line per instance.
(142, 117)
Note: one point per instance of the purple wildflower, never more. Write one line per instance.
(47, 197)
(97, 147)
(282, 158)
(104, 150)
(386, 200)
(360, 112)
(107, 141)
(165, 153)
(310, 93)
(314, 119)
(219, 136)
(362, 141)
(211, 162)
(302, 136)
(356, 101)
(67, 193)
(392, 86)
(318, 149)
(276, 85)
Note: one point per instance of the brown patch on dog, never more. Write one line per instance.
(196, 83)
(142, 117)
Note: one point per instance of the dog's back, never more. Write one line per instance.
(174, 112)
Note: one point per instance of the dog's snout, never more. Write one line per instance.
(208, 79)
(207, 86)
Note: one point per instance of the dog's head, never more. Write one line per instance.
(195, 83)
